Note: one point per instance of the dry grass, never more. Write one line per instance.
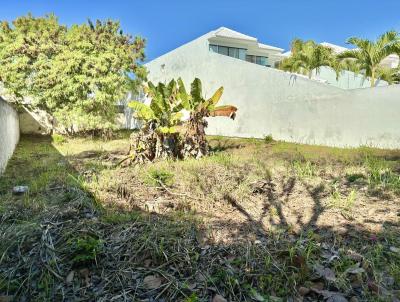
(255, 221)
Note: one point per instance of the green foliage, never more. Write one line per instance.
(77, 73)
(354, 177)
(164, 133)
(85, 250)
(369, 54)
(380, 175)
(268, 139)
(163, 112)
(157, 177)
(308, 56)
(58, 139)
(305, 169)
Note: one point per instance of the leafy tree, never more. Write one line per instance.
(164, 133)
(369, 54)
(76, 74)
(307, 56)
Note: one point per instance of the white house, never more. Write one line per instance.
(285, 105)
(231, 43)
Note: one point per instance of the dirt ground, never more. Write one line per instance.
(254, 221)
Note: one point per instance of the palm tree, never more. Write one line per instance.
(369, 54)
(308, 56)
(390, 75)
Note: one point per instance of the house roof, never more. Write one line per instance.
(229, 33)
(334, 47)
(225, 32)
(265, 46)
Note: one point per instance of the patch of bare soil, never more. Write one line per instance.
(282, 202)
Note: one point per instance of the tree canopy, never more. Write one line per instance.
(369, 55)
(307, 56)
(77, 73)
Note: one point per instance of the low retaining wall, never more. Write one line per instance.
(9, 132)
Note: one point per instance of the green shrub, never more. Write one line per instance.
(268, 139)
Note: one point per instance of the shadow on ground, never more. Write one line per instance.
(59, 242)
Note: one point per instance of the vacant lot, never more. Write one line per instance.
(255, 221)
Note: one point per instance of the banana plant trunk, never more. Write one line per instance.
(195, 142)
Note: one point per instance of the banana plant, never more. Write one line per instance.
(164, 133)
(195, 142)
(163, 113)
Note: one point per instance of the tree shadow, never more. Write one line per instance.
(37, 242)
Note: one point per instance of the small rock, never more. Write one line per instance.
(303, 291)
(353, 299)
(19, 190)
(394, 249)
(219, 298)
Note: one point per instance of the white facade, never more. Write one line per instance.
(234, 44)
(285, 105)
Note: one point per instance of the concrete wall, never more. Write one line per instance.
(289, 107)
(9, 132)
(35, 122)
(347, 79)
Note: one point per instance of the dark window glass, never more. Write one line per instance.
(250, 58)
(223, 50)
(242, 54)
(239, 53)
(233, 52)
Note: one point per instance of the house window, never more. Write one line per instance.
(214, 48)
(258, 60)
(238, 53)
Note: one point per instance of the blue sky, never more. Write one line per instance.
(170, 23)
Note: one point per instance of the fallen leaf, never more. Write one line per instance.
(147, 263)
(303, 291)
(337, 298)
(325, 272)
(6, 298)
(355, 256)
(85, 274)
(330, 296)
(318, 286)
(377, 289)
(70, 277)
(353, 299)
(152, 282)
(355, 269)
(219, 298)
(255, 295)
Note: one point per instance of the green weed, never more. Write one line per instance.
(159, 176)
(85, 250)
(304, 169)
(59, 139)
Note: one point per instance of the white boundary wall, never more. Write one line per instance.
(9, 132)
(288, 107)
